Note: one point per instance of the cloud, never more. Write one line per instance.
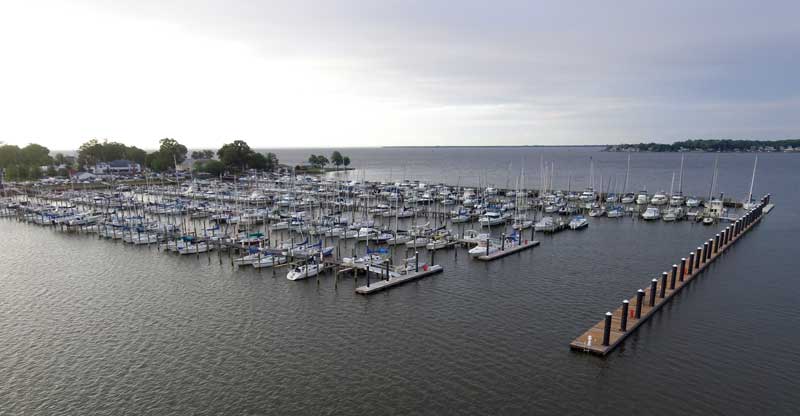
(403, 72)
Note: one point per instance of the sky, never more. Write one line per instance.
(387, 73)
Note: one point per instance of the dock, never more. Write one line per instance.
(606, 335)
(511, 250)
(397, 279)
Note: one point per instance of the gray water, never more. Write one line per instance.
(89, 326)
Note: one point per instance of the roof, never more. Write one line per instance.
(121, 163)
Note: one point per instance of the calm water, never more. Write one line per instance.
(89, 326)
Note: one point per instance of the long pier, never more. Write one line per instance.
(395, 280)
(607, 334)
(508, 250)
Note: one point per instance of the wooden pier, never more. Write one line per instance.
(509, 250)
(397, 280)
(607, 334)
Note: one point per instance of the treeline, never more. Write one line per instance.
(21, 164)
(722, 145)
(337, 159)
(232, 157)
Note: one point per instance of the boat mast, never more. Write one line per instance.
(752, 181)
(680, 178)
(627, 174)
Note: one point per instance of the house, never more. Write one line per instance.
(117, 167)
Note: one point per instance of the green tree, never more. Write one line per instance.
(203, 154)
(272, 162)
(257, 161)
(337, 159)
(346, 161)
(9, 155)
(170, 151)
(135, 154)
(235, 155)
(212, 167)
(35, 155)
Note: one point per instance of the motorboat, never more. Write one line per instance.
(304, 272)
(491, 218)
(659, 199)
(651, 213)
(578, 222)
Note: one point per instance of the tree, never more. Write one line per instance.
(135, 154)
(51, 171)
(346, 161)
(172, 151)
(202, 154)
(90, 153)
(235, 155)
(318, 161)
(212, 167)
(272, 162)
(336, 158)
(257, 161)
(59, 159)
(9, 155)
(35, 155)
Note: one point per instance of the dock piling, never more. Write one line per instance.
(623, 325)
(673, 277)
(639, 299)
(653, 284)
(683, 269)
(663, 285)
(607, 329)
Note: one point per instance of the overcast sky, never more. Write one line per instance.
(373, 73)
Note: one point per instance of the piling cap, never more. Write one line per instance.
(640, 290)
(663, 273)
(674, 265)
(683, 258)
(625, 301)
(609, 314)
(654, 280)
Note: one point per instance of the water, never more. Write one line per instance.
(88, 326)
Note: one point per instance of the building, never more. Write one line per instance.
(116, 167)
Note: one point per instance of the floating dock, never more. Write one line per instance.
(510, 250)
(607, 334)
(399, 279)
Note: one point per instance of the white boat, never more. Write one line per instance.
(628, 198)
(578, 222)
(642, 198)
(522, 225)
(708, 220)
(282, 225)
(303, 272)
(692, 202)
(597, 212)
(651, 213)
(268, 261)
(615, 212)
(491, 218)
(398, 239)
(659, 199)
(417, 242)
(473, 237)
(484, 248)
(545, 224)
(193, 248)
(676, 200)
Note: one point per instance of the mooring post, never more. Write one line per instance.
(623, 325)
(416, 261)
(503, 242)
(716, 244)
(674, 277)
(487, 247)
(653, 284)
(683, 269)
(691, 263)
(607, 329)
(697, 258)
(663, 285)
(639, 299)
(710, 249)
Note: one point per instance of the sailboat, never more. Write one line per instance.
(749, 203)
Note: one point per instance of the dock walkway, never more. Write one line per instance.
(607, 334)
